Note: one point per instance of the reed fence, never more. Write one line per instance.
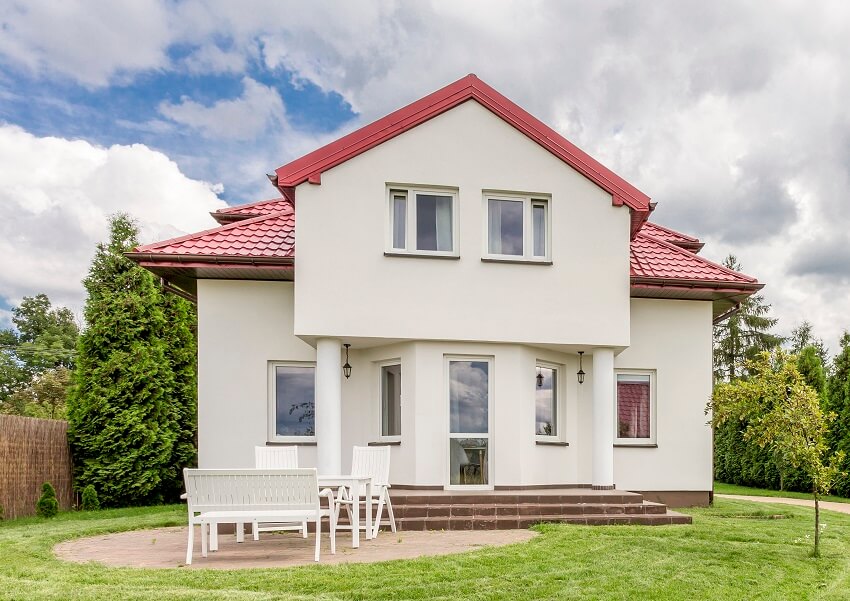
(32, 452)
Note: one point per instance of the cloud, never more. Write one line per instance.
(92, 42)
(57, 194)
(243, 118)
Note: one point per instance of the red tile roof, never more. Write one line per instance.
(267, 236)
(310, 167)
(254, 209)
(655, 259)
(672, 236)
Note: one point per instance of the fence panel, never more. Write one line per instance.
(32, 452)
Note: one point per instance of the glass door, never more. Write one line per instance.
(469, 422)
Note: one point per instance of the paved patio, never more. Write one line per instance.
(166, 548)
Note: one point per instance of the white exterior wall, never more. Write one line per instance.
(347, 288)
(242, 325)
(675, 339)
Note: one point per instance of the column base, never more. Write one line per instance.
(603, 487)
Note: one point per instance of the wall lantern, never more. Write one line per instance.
(346, 368)
(539, 378)
(580, 372)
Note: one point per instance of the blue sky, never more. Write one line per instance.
(732, 116)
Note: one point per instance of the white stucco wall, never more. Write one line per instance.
(675, 339)
(348, 288)
(242, 325)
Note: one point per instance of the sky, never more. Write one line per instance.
(733, 116)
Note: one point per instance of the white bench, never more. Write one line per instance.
(253, 496)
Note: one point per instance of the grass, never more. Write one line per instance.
(724, 555)
(734, 489)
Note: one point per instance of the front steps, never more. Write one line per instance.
(502, 510)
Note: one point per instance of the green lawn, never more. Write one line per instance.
(730, 552)
(734, 489)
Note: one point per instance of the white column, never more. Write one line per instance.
(603, 418)
(329, 405)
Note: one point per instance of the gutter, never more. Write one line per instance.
(683, 283)
(140, 257)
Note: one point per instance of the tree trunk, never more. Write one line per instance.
(817, 524)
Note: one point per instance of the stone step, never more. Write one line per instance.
(403, 497)
(512, 522)
(524, 509)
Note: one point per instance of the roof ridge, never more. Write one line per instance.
(214, 230)
(230, 209)
(671, 231)
(699, 258)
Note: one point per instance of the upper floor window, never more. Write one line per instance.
(517, 227)
(292, 402)
(423, 221)
(635, 407)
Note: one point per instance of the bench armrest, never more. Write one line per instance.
(327, 492)
(184, 496)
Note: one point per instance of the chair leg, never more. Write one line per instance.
(214, 536)
(318, 538)
(191, 543)
(204, 539)
(332, 520)
(240, 532)
(304, 529)
(255, 529)
(390, 510)
(377, 525)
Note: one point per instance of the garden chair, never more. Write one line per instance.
(375, 463)
(277, 458)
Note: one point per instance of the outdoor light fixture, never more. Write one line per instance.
(539, 378)
(580, 372)
(346, 368)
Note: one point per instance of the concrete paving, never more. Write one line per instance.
(828, 505)
(166, 548)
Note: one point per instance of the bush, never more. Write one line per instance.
(90, 502)
(47, 505)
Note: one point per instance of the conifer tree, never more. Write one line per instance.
(122, 427)
(811, 368)
(838, 402)
(744, 335)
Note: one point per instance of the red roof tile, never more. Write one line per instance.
(653, 258)
(310, 167)
(664, 233)
(266, 236)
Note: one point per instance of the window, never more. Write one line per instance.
(517, 228)
(391, 401)
(422, 222)
(292, 402)
(635, 408)
(546, 402)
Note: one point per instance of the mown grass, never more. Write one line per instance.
(718, 557)
(734, 489)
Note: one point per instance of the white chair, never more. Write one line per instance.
(270, 458)
(375, 463)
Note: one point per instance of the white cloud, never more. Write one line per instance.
(92, 42)
(243, 118)
(56, 196)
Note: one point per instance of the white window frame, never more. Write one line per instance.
(653, 410)
(491, 403)
(529, 201)
(410, 227)
(560, 403)
(380, 367)
(272, 401)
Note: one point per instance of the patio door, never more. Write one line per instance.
(470, 383)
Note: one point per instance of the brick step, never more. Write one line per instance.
(507, 498)
(522, 510)
(510, 523)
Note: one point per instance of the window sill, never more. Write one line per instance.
(285, 443)
(420, 255)
(645, 445)
(518, 261)
(384, 443)
(552, 443)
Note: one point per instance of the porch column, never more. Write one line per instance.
(603, 419)
(329, 405)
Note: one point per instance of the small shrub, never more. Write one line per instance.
(47, 505)
(90, 501)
